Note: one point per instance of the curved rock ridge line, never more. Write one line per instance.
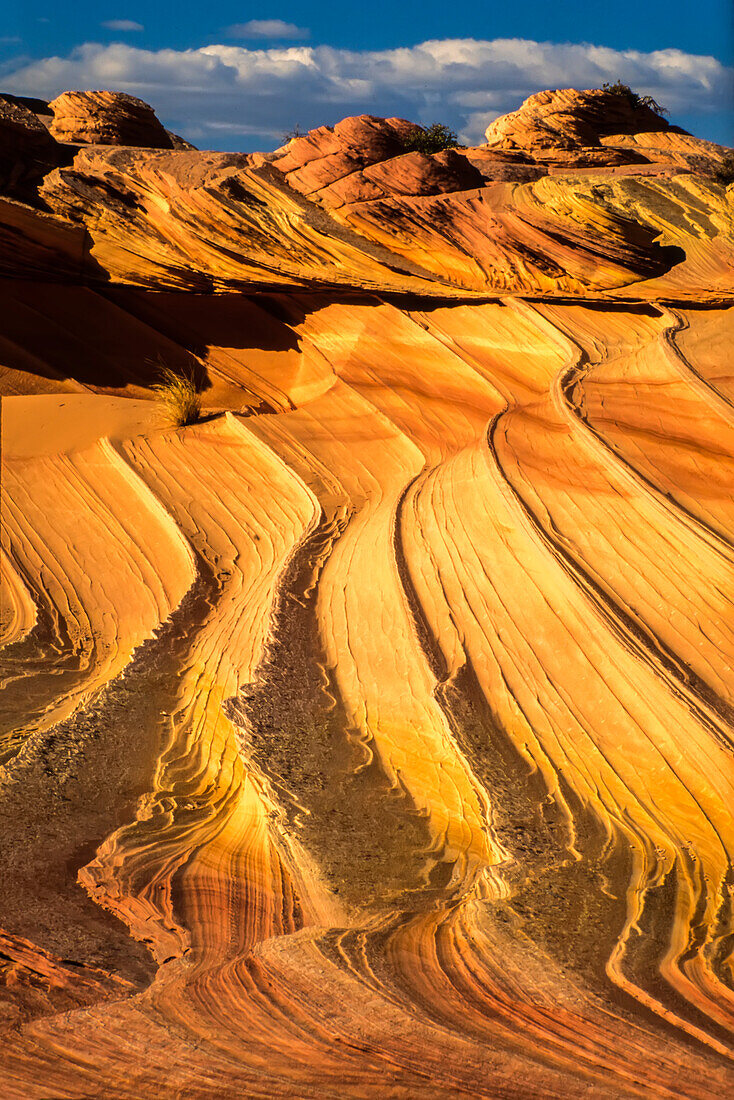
(451, 514)
(578, 193)
(372, 734)
(18, 607)
(240, 531)
(68, 526)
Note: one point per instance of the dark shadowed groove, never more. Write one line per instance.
(640, 964)
(88, 772)
(524, 814)
(564, 905)
(367, 837)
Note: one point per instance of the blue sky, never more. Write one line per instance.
(236, 75)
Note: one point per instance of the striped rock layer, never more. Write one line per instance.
(371, 737)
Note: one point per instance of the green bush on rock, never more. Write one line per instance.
(430, 139)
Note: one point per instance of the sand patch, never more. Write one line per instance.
(44, 424)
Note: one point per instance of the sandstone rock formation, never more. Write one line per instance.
(107, 118)
(364, 158)
(363, 214)
(555, 122)
(373, 736)
(27, 150)
(21, 129)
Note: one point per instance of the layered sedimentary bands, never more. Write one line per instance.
(371, 737)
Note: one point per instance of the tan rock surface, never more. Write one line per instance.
(373, 736)
(347, 207)
(566, 119)
(107, 118)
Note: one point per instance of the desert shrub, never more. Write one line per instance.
(179, 397)
(724, 171)
(652, 105)
(294, 132)
(430, 139)
(618, 88)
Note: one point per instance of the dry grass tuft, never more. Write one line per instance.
(179, 397)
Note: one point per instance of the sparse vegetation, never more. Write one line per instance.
(618, 88)
(294, 132)
(430, 139)
(724, 171)
(178, 395)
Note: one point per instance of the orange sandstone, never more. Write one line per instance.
(373, 736)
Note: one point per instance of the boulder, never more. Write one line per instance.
(27, 150)
(566, 123)
(21, 130)
(107, 118)
(424, 174)
(363, 159)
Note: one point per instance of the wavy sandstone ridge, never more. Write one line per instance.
(372, 736)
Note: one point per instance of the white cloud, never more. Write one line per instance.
(122, 25)
(267, 28)
(214, 93)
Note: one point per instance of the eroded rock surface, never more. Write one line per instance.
(372, 736)
(27, 150)
(107, 118)
(565, 120)
(637, 214)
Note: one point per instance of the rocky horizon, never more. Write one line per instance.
(369, 730)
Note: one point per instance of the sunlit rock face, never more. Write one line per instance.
(371, 737)
(564, 120)
(106, 118)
